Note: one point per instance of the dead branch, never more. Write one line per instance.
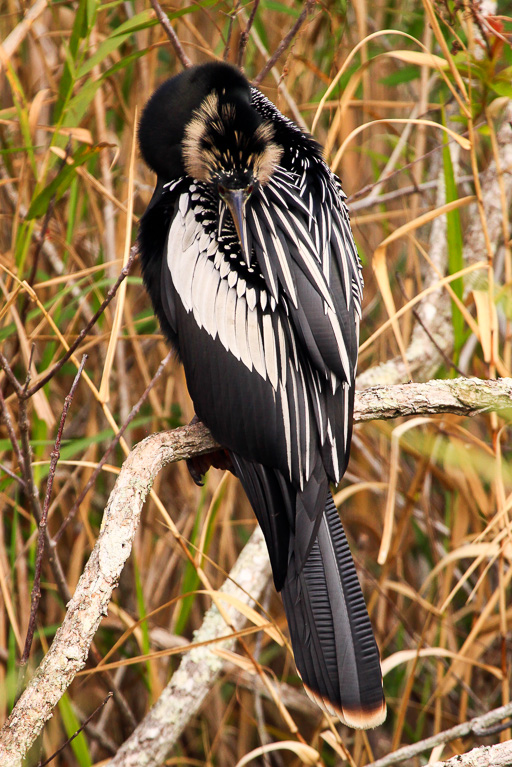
(462, 396)
(476, 726)
(70, 648)
(171, 34)
(190, 684)
(285, 42)
(499, 755)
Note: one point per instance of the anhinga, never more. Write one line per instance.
(249, 259)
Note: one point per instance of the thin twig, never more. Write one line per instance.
(231, 15)
(26, 452)
(244, 37)
(29, 368)
(285, 42)
(84, 332)
(111, 447)
(4, 364)
(55, 455)
(12, 475)
(9, 424)
(171, 34)
(68, 741)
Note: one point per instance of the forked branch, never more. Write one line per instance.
(70, 648)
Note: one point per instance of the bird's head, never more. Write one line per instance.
(202, 123)
(227, 146)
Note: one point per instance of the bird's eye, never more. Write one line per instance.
(222, 190)
(249, 189)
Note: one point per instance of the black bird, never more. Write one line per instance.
(249, 259)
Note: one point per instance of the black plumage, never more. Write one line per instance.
(249, 259)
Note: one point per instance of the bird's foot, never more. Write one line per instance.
(199, 464)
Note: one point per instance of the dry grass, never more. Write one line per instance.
(445, 484)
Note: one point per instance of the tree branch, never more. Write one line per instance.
(171, 34)
(69, 650)
(476, 726)
(285, 42)
(461, 396)
(499, 755)
(199, 668)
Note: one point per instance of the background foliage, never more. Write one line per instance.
(71, 193)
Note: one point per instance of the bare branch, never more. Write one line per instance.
(499, 755)
(70, 648)
(244, 37)
(4, 364)
(199, 668)
(462, 396)
(12, 475)
(171, 34)
(474, 726)
(232, 15)
(285, 42)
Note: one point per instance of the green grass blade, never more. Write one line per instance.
(71, 725)
(455, 246)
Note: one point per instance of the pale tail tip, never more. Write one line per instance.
(357, 718)
(361, 719)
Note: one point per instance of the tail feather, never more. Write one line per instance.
(334, 646)
(332, 638)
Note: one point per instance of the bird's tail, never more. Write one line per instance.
(332, 638)
(335, 650)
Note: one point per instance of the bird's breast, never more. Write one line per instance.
(227, 298)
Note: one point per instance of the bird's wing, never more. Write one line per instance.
(152, 242)
(299, 227)
(304, 185)
(237, 344)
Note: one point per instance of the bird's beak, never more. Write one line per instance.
(235, 199)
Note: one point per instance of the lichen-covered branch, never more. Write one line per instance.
(499, 755)
(477, 726)
(70, 648)
(199, 668)
(461, 396)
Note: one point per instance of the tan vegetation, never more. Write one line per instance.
(413, 103)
